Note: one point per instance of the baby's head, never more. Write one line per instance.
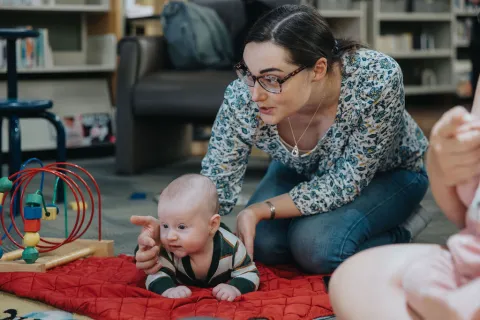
(188, 214)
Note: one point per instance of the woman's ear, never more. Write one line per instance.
(320, 69)
(214, 223)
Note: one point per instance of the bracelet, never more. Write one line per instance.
(272, 210)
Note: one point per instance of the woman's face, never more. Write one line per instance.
(269, 60)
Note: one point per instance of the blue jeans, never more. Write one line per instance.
(320, 242)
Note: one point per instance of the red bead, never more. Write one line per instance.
(32, 225)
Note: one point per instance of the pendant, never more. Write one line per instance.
(295, 151)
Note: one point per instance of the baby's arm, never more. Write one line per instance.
(245, 276)
(464, 303)
(164, 281)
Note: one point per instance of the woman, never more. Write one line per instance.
(347, 166)
(452, 160)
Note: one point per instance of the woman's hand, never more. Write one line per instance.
(148, 244)
(455, 146)
(247, 221)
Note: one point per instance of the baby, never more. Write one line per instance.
(196, 249)
(446, 284)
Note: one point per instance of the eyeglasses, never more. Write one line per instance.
(271, 83)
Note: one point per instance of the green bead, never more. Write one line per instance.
(5, 184)
(30, 255)
(34, 200)
(1, 252)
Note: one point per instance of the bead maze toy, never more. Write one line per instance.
(40, 254)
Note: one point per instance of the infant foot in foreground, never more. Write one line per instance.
(225, 292)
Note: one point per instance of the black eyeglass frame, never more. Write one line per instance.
(241, 66)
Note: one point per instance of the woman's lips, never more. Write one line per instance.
(266, 110)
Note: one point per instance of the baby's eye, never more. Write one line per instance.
(164, 226)
(182, 227)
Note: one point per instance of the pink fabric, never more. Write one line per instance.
(446, 284)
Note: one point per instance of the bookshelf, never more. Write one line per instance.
(77, 67)
(464, 12)
(419, 36)
(430, 40)
(347, 18)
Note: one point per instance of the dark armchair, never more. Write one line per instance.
(156, 104)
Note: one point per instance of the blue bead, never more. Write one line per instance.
(1, 252)
(138, 196)
(32, 213)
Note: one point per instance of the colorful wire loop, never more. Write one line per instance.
(63, 174)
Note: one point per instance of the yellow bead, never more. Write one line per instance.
(74, 205)
(52, 213)
(1, 197)
(31, 239)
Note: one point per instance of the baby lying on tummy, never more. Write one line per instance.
(196, 249)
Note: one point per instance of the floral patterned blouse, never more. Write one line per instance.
(372, 132)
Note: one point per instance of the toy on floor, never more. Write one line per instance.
(40, 254)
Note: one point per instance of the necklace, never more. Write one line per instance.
(295, 151)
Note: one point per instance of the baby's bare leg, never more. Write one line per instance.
(465, 303)
(427, 282)
(369, 284)
(465, 250)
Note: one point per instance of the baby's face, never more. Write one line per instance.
(184, 230)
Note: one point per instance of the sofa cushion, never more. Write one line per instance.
(184, 94)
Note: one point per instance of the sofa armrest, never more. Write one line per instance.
(138, 56)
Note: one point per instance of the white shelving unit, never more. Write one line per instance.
(74, 54)
(58, 7)
(72, 49)
(422, 42)
(347, 18)
(413, 16)
(463, 17)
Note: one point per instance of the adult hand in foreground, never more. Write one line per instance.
(455, 146)
(148, 244)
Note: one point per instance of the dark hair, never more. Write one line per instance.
(304, 32)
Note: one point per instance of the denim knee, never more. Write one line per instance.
(271, 248)
(320, 255)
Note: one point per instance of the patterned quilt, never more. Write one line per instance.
(112, 288)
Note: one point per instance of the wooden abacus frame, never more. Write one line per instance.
(78, 249)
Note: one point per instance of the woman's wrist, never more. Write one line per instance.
(261, 210)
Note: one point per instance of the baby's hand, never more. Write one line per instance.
(225, 292)
(177, 292)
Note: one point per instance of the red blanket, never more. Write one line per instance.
(112, 288)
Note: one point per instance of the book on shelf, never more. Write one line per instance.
(405, 42)
(32, 53)
(466, 6)
(463, 31)
(87, 129)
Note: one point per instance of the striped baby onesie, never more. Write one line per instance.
(230, 264)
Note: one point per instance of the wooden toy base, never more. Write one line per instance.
(81, 248)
